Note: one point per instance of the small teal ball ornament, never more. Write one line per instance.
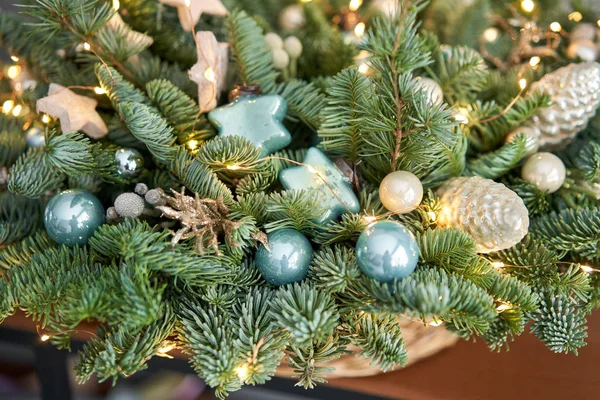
(287, 259)
(72, 216)
(130, 163)
(386, 250)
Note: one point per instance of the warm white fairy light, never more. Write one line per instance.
(490, 34)
(354, 5)
(575, 16)
(527, 5)
(87, 46)
(209, 74)
(166, 348)
(192, 144)
(99, 90)
(7, 106)
(363, 68)
(242, 372)
(370, 218)
(534, 61)
(116, 4)
(436, 323)
(503, 307)
(498, 264)
(14, 58)
(586, 269)
(555, 27)
(17, 110)
(598, 23)
(522, 84)
(461, 118)
(359, 30)
(45, 118)
(44, 338)
(432, 216)
(311, 169)
(188, 3)
(13, 71)
(233, 167)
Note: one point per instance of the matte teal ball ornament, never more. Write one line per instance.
(386, 250)
(72, 216)
(287, 259)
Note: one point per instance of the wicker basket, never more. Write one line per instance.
(421, 342)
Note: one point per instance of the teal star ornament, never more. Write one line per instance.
(323, 176)
(257, 118)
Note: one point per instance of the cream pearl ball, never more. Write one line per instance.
(401, 192)
(293, 46)
(292, 18)
(544, 170)
(434, 92)
(281, 59)
(274, 41)
(532, 144)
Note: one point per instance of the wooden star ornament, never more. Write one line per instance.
(190, 17)
(210, 70)
(116, 23)
(76, 113)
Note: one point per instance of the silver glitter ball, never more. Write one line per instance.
(130, 163)
(35, 137)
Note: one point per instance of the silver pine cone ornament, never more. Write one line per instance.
(491, 213)
(575, 96)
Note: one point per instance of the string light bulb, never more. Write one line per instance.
(598, 23)
(359, 30)
(14, 58)
(586, 269)
(555, 27)
(503, 307)
(363, 68)
(13, 71)
(498, 264)
(165, 349)
(354, 5)
(242, 372)
(432, 216)
(461, 118)
(116, 4)
(192, 144)
(99, 90)
(527, 5)
(87, 46)
(17, 110)
(44, 338)
(233, 167)
(188, 3)
(45, 118)
(370, 218)
(575, 16)
(7, 106)
(534, 61)
(311, 169)
(209, 74)
(522, 84)
(436, 322)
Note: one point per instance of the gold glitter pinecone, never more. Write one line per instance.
(491, 213)
(575, 93)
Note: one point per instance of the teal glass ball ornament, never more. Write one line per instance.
(287, 259)
(35, 137)
(386, 250)
(130, 163)
(72, 216)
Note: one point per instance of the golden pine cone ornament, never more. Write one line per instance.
(491, 213)
(575, 97)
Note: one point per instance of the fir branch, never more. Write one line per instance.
(179, 109)
(12, 140)
(497, 163)
(32, 175)
(577, 230)
(295, 209)
(305, 101)
(309, 315)
(21, 252)
(19, 218)
(71, 154)
(333, 268)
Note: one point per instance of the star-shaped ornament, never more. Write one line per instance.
(76, 113)
(189, 11)
(257, 118)
(210, 71)
(117, 24)
(321, 175)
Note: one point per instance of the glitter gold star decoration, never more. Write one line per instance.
(76, 113)
(210, 70)
(189, 11)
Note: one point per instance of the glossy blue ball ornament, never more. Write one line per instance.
(387, 250)
(288, 259)
(72, 216)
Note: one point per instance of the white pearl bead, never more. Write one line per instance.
(401, 192)
(532, 144)
(434, 92)
(281, 59)
(544, 170)
(273, 40)
(292, 18)
(293, 46)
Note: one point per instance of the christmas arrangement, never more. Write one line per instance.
(266, 182)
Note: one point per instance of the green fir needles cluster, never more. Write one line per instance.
(147, 295)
